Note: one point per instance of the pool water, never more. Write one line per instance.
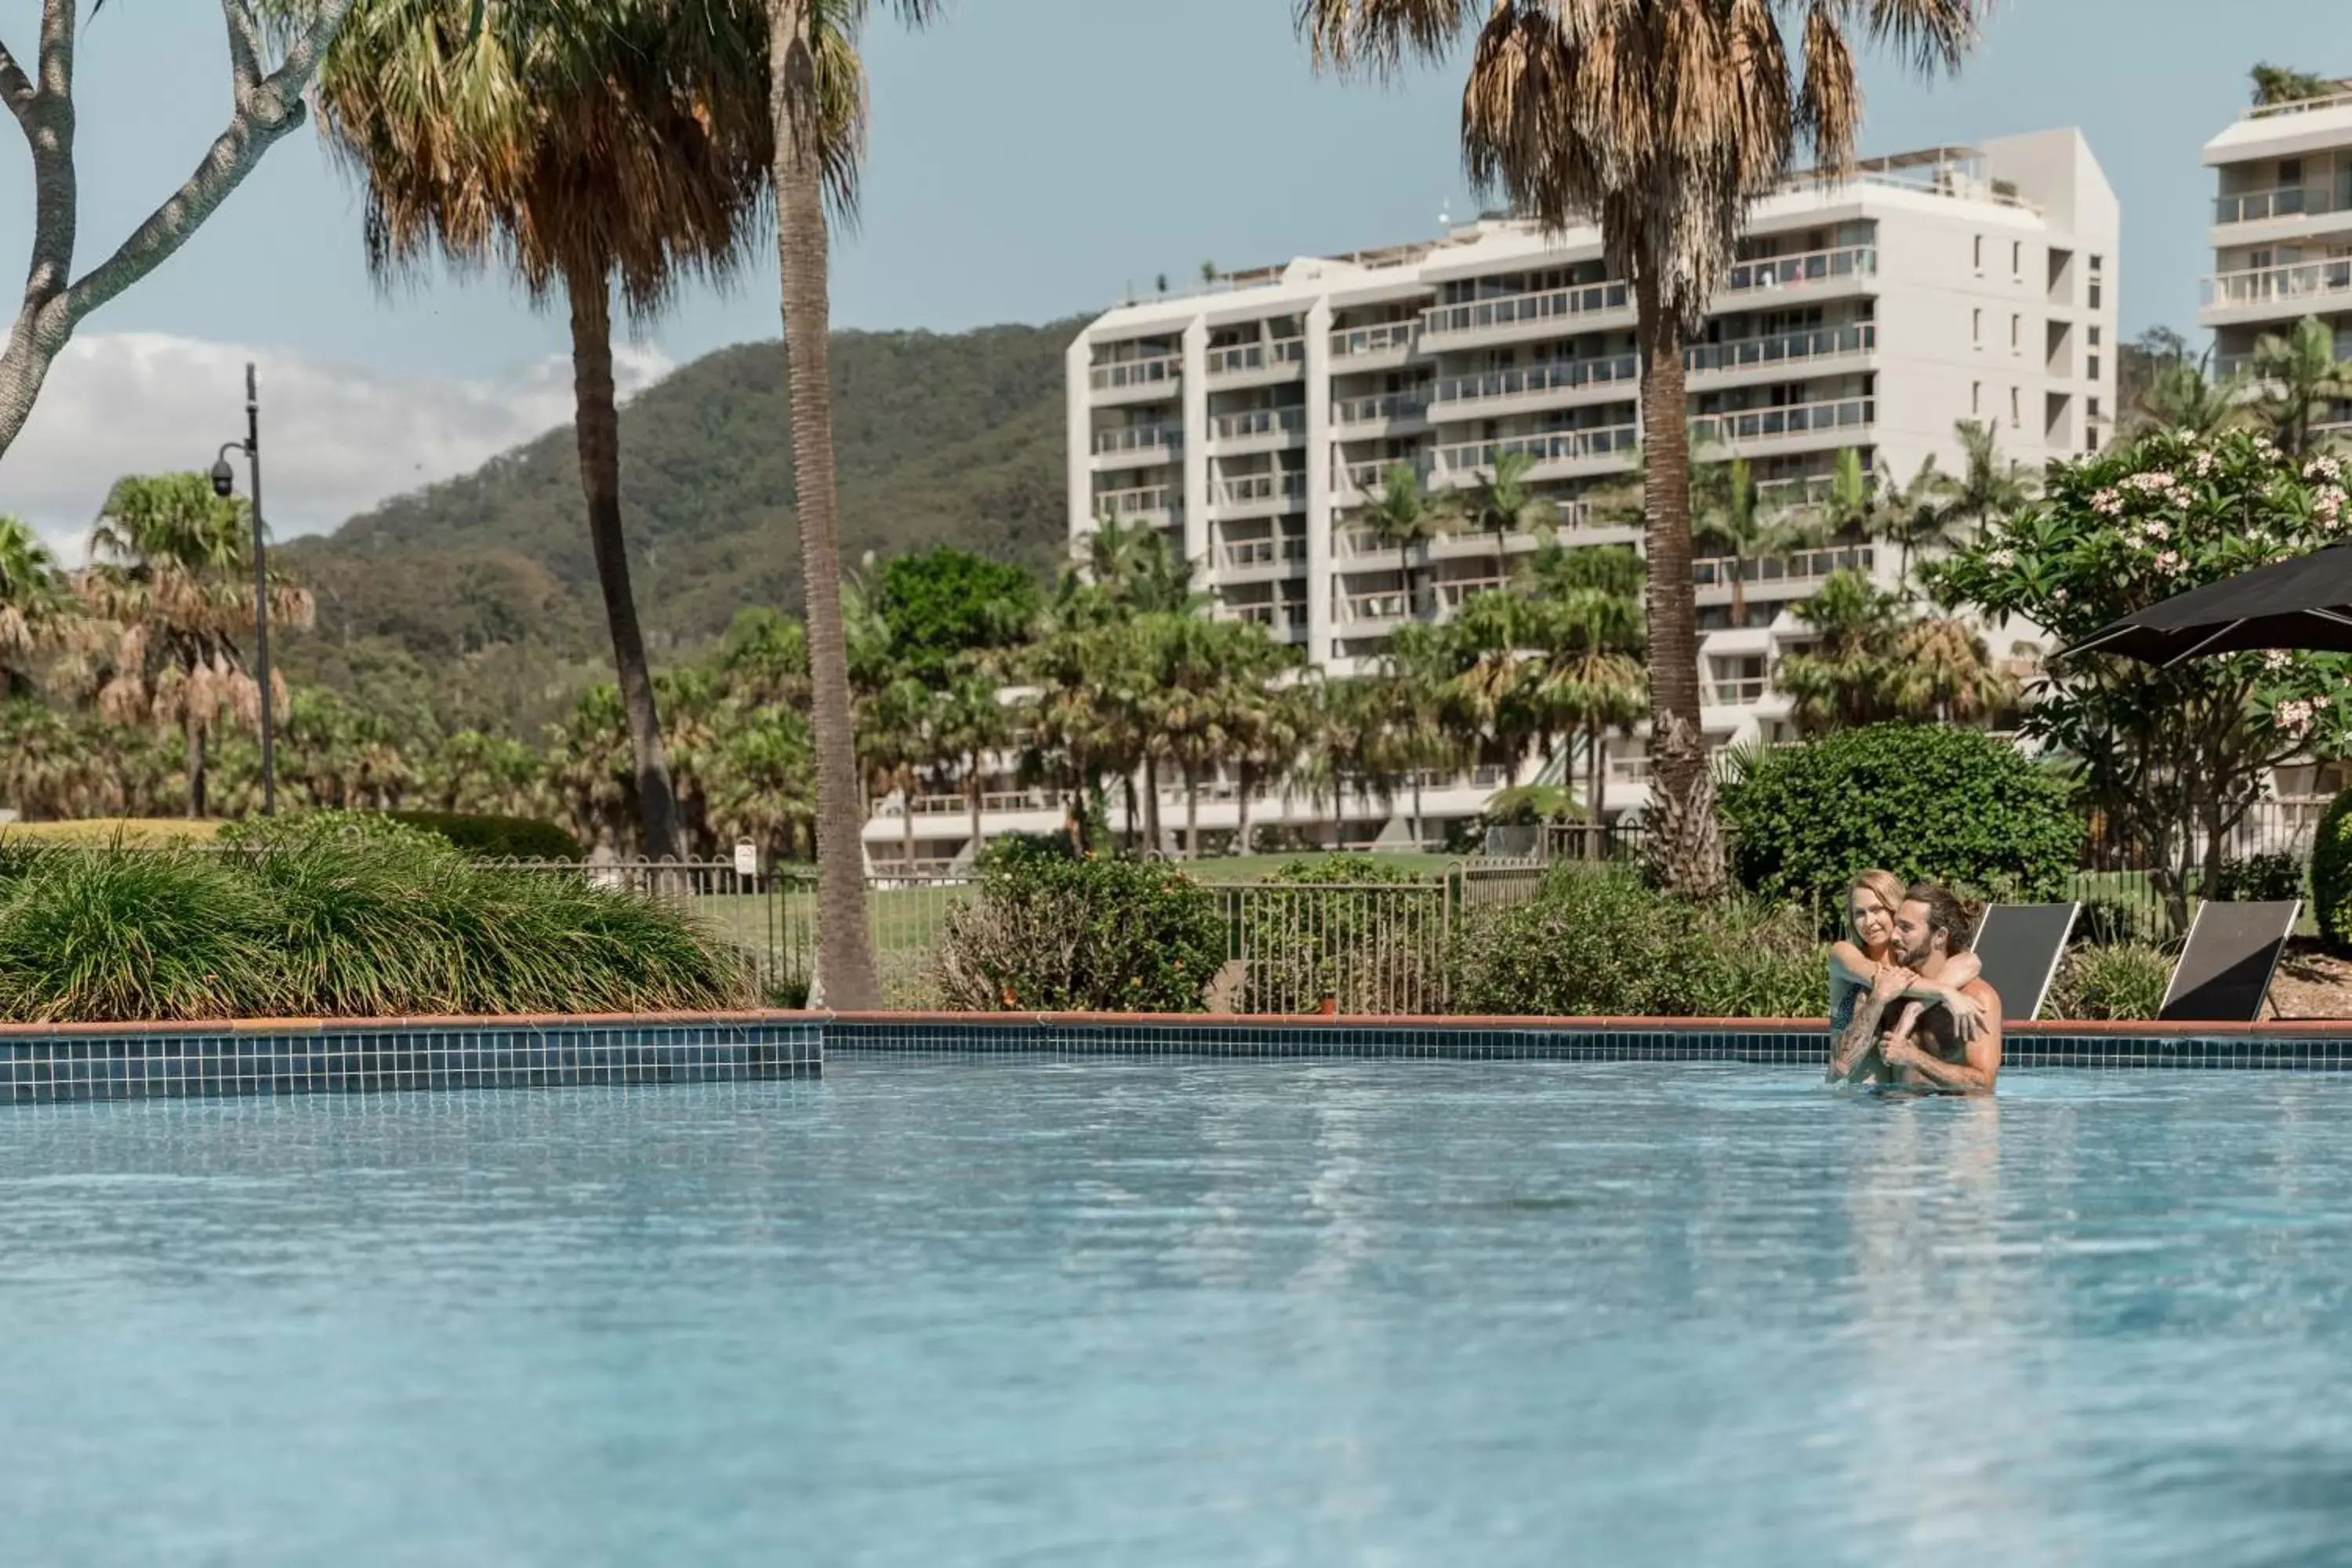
(1131, 1313)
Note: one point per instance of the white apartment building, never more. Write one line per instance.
(2282, 229)
(1249, 419)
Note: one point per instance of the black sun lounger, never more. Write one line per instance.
(2018, 945)
(2225, 971)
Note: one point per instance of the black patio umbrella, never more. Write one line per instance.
(2304, 603)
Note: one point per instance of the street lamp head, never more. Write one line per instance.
(223, 478)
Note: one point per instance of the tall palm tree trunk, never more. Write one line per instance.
(1192, 814)
(972, 789)
(196, 768)
(597, 420)
(1152, 801)
(906, 827)
(844, 946)
(1596, 771)
(1681, 759)
(1241, 810)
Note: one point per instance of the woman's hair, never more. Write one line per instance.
(1886, 884)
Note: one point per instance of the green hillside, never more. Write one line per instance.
(476, 599)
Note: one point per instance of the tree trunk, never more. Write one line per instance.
(1192, 814)
(1127, 784)
(597, 420)
(196, 768)
(1596, 767)
(971, 786)
(1152, 801)
(1419, 835)
(1242, 805)
(845, 948)
(1678, 768)
(907, 827)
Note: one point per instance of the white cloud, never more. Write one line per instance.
(335, 439)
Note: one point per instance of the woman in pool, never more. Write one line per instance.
(1863, 978)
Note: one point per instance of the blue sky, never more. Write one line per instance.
(1031, 159)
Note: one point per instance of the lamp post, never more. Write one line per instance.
(223, 486)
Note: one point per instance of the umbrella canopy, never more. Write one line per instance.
(2304, 603)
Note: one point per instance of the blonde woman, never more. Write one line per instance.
(1866, 980)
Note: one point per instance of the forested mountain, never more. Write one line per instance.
(476, 599)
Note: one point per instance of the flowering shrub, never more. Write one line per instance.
(2173, 756)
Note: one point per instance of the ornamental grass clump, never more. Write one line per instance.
(323, 920)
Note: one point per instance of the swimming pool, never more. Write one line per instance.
(1147, 1313)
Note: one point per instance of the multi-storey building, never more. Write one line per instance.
(1873, 312)
(2282, 231)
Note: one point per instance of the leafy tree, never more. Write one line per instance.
(267, 103)
(2281, 84)
(172, 571)
(1499, 503)
(2180, 396)
(2172, 756)
(1875, 661)
(944, 605)
(1660, 123)
(2297, 380)
(1922, 801)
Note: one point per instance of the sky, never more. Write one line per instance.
(1030, 160)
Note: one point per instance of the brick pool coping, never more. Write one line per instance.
(42, 1063)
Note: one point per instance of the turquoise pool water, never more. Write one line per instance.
(1150, 1313)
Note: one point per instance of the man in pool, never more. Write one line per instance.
(1929, 928)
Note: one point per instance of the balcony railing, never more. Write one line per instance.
(1806, 266)
(1539, 378)
(1555, 447)
(1261, 487)
(1259, 422)
(1804, 567)
(1859, 337)
(1738, 693)
(1128, 503)
(1805, 491)
(1139, 438)
(1248, 552)
(1368, 477)
(2279, 200)
(2299, 106)
(1387, 405)
(995, 800)
(1453, 592)
(1276, 615)
(1389, 605)
(2295, 282)
(1386, 338)
(1153, 371)
(1790, 419)
(1515, 310)
(1629, 770)
(1240, 357)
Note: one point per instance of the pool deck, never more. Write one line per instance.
(47, 1063)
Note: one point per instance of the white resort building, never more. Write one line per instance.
(1248, 420)
(2282, 230)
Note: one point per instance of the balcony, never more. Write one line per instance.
(1153, 376)
(1367, 478)
(1387, 406)
(1453, 592)
(1259, 423)
(1284, 619)
(1535, 381)
(1805, 568)
(1742, 692)
(1138, 445)
(1251, 554)
(1389, 605)
(1629, 770)
(1464, 458)
(1524, 315)
(1243, 359)
(1388, 338)
(1750, 354)
(1753, 425)
(1811, 266)
(2276, 291)
(1155, 504)
(1250, 493)
(2280, 201)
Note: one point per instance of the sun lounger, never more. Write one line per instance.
(2019, 945)
(2225, 971)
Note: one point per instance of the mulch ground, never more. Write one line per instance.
(2311, 985)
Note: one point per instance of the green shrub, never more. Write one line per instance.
(495, 837)
(1599, 941)
(1365, 933)
(1922, 801)
(2268, 878)
(318, 922)
(2331, 876)
(2118, 981)
(1054, 934)
(2105, 922)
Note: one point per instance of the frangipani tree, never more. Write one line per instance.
(2174, 756)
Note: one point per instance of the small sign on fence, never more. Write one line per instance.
(747, 859)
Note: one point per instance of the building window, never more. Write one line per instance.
(2094, 334)
(2090, 438)
(2092, 370)
(1976, 326)
(2093, 406)
(2290, 172)
(2095, 281)
(1975, 397)
(1979, 253)
(2016, 326)
(2013, 415)
(2017, 259)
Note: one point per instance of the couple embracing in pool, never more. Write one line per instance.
(1907, 1003)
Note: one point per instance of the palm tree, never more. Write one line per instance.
(1917, 517)
(1990, 488)
(1659, 120)
(1591, 650)
(1268, 726)
(1403, 516)
(171, 569)
(2297, 377)
(1727, 512)
(968, 724)
(1500, 503)
(809, 43)
(581, 146)
(35, 607)
(2280, 84)
(2180, 396)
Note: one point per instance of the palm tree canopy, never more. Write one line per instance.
(1658, 120)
